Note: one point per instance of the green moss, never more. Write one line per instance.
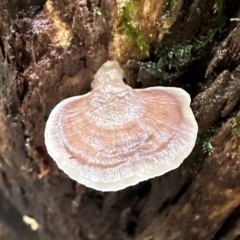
(172, 57)
(127, 23)
(173, 60)
(169, 8)
(207, 148)
(218, 6)
(205, 140)
(179, 55)
(235, 126)
(97, 11)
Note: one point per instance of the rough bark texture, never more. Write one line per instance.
(198, 201)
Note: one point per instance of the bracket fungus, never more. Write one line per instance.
(115, 136)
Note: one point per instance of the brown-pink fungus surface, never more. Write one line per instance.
(115, 136)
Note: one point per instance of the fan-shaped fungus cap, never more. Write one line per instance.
(115, 136)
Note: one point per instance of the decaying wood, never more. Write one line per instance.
(49, 50)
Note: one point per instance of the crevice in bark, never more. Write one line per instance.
(11, 216)
(228, 224)
(169, 202)
(145, 189)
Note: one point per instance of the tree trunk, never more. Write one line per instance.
(50, 50)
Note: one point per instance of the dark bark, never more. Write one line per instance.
(198, 201)
(10, 216)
